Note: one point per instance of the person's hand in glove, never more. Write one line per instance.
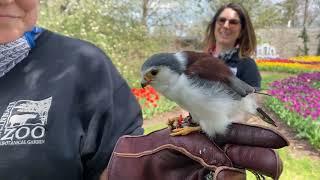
(161, 156)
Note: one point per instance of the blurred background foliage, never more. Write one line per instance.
(122, 37)
(131, 30)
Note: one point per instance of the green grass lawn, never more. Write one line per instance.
(294, 168)
(302, 167)
(154, 127)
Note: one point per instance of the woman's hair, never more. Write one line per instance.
(247, 41)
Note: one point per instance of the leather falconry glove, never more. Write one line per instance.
(160, 156)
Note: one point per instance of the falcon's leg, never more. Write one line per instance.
(185, 130)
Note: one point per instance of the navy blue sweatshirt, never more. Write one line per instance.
(62, 110)
(245, 69)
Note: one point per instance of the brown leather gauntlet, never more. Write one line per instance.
(159, 156)
(194, 157)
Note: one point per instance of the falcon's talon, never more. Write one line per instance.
(184, 131)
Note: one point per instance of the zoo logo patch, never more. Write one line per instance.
(24, 122)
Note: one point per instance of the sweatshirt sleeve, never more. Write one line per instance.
(249, 73)
(109, 110)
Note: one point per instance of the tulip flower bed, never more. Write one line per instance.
(297, 101)
(151, 102)
(306, 58)
(292, 65)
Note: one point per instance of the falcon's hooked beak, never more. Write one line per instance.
(148, 77)
(145, 82)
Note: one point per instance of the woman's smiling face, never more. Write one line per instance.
(227, 28)
(17, 17)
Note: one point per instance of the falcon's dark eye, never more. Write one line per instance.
(154, 72)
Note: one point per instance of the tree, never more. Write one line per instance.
(305, 39)
(111, 25)
(298, 13)
(170, 14)
(145, 10)
(318, 49)
(304, 35)
(263, 13)
(313, 12)
(289, 12)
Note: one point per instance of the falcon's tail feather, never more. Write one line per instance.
(263, 93)
(264, 116)
(259, 92)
